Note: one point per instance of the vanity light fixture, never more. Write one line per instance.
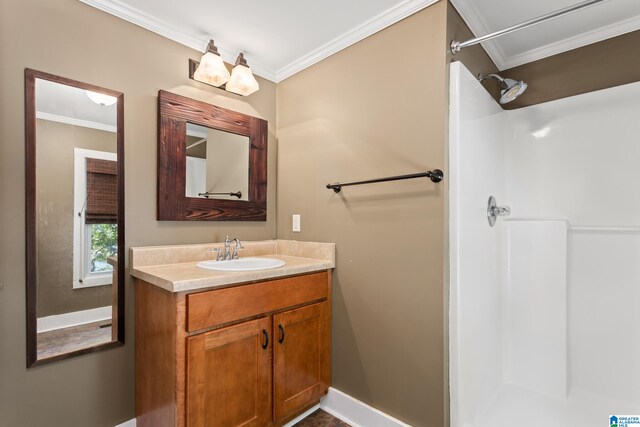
(212, 71)
(242, 81)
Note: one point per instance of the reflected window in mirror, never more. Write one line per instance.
(95, 221)
(217, 164)
(75, 217)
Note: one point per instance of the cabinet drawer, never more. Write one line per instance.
(211, 308)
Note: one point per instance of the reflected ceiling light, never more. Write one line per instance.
(211, 69)
(242, 81)
(101, 98)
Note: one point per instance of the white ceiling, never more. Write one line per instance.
(282, 37)
(68, 104)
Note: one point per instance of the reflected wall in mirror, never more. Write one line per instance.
(75, 217)
(217, 164)
(212, 162)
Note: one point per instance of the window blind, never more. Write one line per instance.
(102, 192)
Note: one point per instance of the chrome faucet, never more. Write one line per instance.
(236, 248)
(219, 253)
(225, 253)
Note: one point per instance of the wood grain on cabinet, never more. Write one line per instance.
(160, 356)
(301, 358)
(221, 376)
(229, 376)
(206, 309)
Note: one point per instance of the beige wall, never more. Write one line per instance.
(375, 109)
(71, 39)
(55, 216)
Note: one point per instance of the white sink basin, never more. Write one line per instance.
(242, 264)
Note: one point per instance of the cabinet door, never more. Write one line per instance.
(229, 376)
(301, 352)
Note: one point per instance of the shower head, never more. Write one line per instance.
(509, 89)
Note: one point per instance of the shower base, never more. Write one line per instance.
(517, 406)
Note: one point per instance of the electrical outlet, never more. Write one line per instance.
(296, 223)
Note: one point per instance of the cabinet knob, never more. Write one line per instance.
(266, 339)
(281, 339)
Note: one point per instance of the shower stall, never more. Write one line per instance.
(545, 304)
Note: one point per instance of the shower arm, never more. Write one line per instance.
(500, 79)
(457, 46)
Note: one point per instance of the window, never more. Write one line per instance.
(95, 217)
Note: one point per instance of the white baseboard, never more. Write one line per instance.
(75, 318)
(132, 423)
(355, 412)
(300, 417)
(340, 405)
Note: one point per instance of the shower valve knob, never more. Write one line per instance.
(501, 210)
(494, 211)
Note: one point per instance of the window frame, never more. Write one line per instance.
(82, 275)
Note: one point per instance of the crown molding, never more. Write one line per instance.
(584, 39)
(379, 22)
(372, 26)
(478, 26)
(75, 122)
(141, 19)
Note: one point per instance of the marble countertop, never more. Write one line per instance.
(174, 267)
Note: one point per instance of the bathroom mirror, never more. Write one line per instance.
(217, 164)
(212, 162)
(75, 217)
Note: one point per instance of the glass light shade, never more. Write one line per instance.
(211, 70)
(101, 98)
(242, 81)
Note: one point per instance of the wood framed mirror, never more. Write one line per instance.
(74, 140)
(212, 162)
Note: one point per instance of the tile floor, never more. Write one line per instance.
(321, 418)
(65, 340)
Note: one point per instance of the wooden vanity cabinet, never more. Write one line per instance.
(229, 376)
(249, 355)
(301, 359)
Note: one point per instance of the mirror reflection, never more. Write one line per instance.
(219, 168)
(217, 164)
(76, 219)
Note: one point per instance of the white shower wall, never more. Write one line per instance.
(476, 323)
(544, 306)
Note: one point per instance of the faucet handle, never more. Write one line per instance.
(219, 253)
(238, 246)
